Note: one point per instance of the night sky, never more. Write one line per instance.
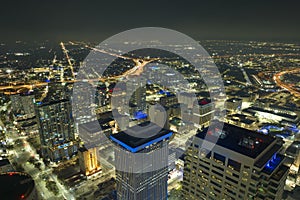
(86, 20)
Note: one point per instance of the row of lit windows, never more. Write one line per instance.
(233, 166)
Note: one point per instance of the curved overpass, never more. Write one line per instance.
(277, 78)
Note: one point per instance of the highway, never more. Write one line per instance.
(68, 59)
(248, 82)
(278, 80)
(139, 63)
(135, 71)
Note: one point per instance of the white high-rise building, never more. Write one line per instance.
(242, 165)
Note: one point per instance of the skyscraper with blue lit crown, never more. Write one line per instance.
(142, 163)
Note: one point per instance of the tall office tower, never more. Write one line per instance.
(58, 91)
(88, 160)
(203, 111)
(200, 114)
(84, 101)
(138, 98)
(159, 116)
(187, 98)
(118, 97)
(242, 165)
(102, 98)
(142, 163)
(56, 128)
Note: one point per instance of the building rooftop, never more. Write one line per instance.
(135, 143)
(239, 116)
(280, 172)
(175, 106)
(106, 114)
(234, 99)
(4, 162)
(268, 100)
(203, 94)
(293, 149)
(105, 120)
(82, 149)
(42, 104)
(95, 126)
(273, 163)
(282, 108)
(239, 93)
(257, 109)
(187, 94)
(91, 127)
(240, 140)
(203, 101)
(268, 155)
(15, 185)
(247, 121)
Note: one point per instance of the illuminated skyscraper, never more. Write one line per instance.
(138, 98)
(56, 128)
(102, 95)
(142, 163)
(242, 165)
(88, 160)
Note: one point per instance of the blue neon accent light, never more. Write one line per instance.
(63, 146)
(273, 162)
(283, 132)
(167, 93)
(138, 148)
(161, 92)
(139, 115)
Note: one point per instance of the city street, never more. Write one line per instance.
(21, 154)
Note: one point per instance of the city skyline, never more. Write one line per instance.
(262, 101)
(150, 100)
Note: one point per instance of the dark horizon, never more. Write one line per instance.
(203, 20)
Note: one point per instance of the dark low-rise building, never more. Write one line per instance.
(16, 186)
